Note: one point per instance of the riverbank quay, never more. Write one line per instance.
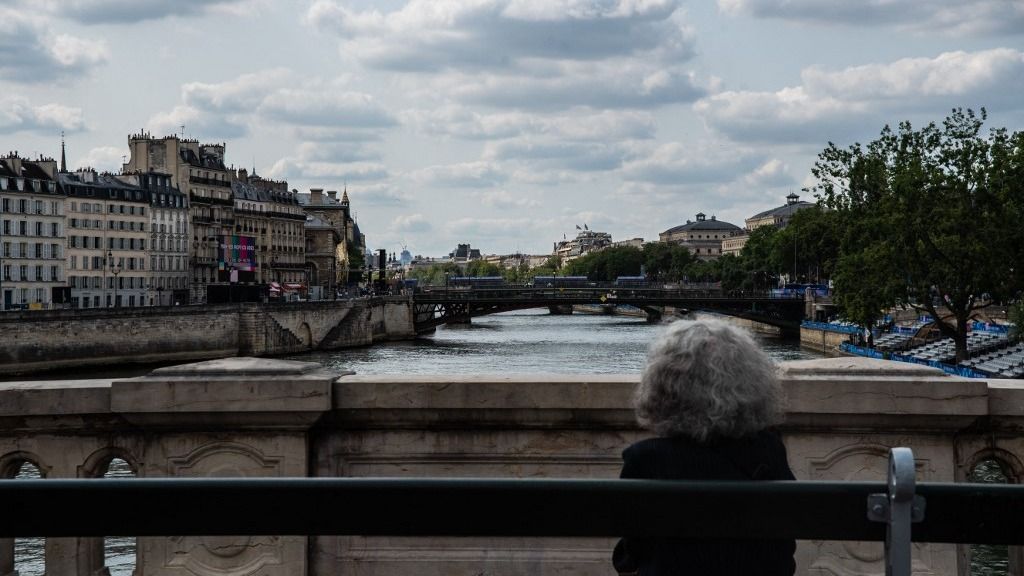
(249, 417)
(992, 355)
(40, 341)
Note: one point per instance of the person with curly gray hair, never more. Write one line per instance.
(712, 397)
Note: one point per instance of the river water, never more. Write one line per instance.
(530, 341)
(526, 341)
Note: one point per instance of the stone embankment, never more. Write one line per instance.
(38, 341)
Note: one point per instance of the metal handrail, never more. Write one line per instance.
(489, 507)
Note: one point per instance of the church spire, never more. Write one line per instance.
(63, 158)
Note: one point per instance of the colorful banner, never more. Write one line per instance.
(237, 253)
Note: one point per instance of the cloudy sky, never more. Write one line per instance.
(506, 123)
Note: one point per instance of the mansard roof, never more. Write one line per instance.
(702, 225)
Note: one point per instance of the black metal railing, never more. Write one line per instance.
(940, 512)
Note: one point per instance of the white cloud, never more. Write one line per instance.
(103, 158)
(336, 152)
(607, 84)
(557, 154)
(292, 168)
(446, 34)
(31, 52)
(198, 123)
(240, 94)
(954, 17)
(577, 124)
(502, 199)
(312, 108)
(130, 11)
(464, 175)
(676, 164)
(491, 228)
(772, 173)
(17, 114)
(331, 109)
(525, 54)
(411, 223)
(839, 105)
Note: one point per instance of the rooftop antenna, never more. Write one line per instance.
(182, 131)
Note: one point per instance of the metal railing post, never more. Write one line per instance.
(898, 508)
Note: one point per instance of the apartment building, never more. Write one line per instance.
(32, 222)
(107, 240)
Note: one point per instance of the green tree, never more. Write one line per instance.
(759, 256)
(666, 262)
(925, 219)
(608, 264)
(482, 268)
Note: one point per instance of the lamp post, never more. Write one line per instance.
(115, 269)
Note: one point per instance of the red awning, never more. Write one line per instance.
(294, 287)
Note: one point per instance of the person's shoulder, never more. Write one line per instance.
(651, 446)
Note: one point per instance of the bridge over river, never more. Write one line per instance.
(433, 307)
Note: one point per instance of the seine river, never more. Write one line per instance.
(527, 341)
(530, 341)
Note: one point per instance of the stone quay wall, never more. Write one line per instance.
(37, 341)
(824, 341)
(260, 417)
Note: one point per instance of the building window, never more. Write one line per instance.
(54, 229)
(54, 273)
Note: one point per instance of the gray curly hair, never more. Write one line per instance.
(707, 379)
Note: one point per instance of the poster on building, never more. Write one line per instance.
(236, 259)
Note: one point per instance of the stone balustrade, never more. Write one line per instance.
(258, 417)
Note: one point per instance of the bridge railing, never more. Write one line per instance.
(939, 512)
(610, 292)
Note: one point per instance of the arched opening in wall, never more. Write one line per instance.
(991, 559)
(306, 335)
(27, 556)
(119, 551)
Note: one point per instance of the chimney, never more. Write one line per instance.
(14, 163)
(333, 194)
(316, 196)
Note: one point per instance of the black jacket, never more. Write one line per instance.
(758, 457)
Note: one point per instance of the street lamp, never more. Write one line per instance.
(114, 270)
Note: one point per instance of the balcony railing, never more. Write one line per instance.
(209, 181)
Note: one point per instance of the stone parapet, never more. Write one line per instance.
(257, 417)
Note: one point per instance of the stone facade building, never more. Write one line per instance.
(586, 241)
(322, 241)
(703, 237)
(335, 272)
(167, 282)
(778, 217)
(198, 170)
(271, 214)
(108, 238)
(32, 234)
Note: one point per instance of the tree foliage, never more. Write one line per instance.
(929, 217)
